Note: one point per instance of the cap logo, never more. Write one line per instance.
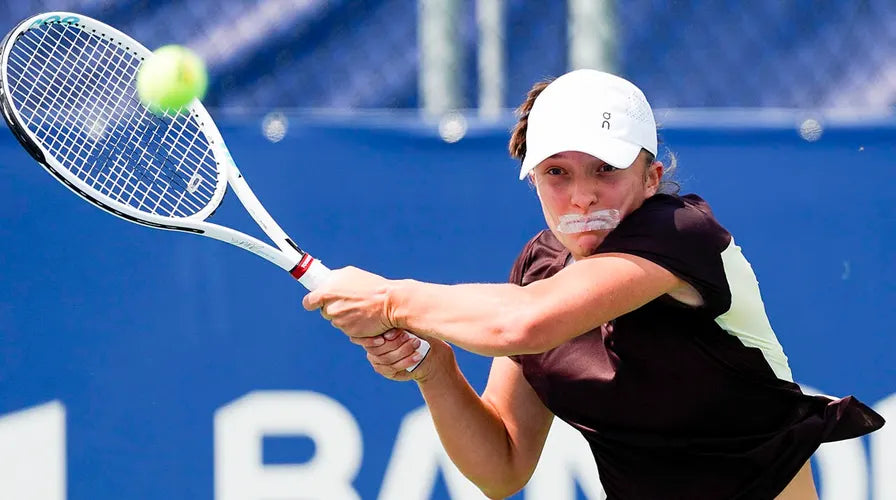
(606, 122)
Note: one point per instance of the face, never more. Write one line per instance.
(578, 183)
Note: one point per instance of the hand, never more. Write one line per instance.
(354, 301)
(393, 352)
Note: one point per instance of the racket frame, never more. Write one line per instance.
(287, 256)
(310, 272)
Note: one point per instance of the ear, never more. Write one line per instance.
(653, 176)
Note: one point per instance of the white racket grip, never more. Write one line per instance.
(315, 276)
(318, 273)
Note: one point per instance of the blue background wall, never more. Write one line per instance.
(143, 334)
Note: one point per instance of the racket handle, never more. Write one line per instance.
(316, 274)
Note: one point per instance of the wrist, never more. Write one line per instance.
(437, 365)
(394, 303)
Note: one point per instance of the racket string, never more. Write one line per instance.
(90, 118)
(104, 90)
(111, 147)
(68, 140)
(60, 63)
(113, 161)
(188, 148)
(41, 71)
(63, 143)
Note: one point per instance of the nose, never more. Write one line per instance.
(584, 194)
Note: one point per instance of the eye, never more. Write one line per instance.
(553, 171)
(606, 168)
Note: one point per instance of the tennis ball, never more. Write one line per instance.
(170, 79)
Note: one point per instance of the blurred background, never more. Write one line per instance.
(138, 364)
(388, 54)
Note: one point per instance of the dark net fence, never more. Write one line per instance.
(348, 54)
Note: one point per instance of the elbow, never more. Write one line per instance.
(500, 493)
(522, 333)
(505, 488)
(501, 482)
(522, 326)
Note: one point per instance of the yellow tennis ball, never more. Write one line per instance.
(170, 79)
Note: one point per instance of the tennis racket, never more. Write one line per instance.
(68, 94)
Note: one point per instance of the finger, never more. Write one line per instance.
(393, 372)
(405, 350)
(323, 310)
(350, 329)
(384, 370)
(379, 345)
(366, 342)
(399, 369)
(407, 363)
(311, 301)
(392, 338)
(386, 348)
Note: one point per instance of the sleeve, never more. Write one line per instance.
(518, 271)
(520, 264)
(541, 257)
(682, 236)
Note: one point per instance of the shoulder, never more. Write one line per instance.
(680, 234)
(686, 218)
(536, 258)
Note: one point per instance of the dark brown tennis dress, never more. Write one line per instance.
(679, 402)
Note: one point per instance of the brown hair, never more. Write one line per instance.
(517, 145)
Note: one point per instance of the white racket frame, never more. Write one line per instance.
(310, 272)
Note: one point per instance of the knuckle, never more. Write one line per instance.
(407, 349)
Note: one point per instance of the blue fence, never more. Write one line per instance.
(177, 363)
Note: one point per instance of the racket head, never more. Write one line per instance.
(68, 94)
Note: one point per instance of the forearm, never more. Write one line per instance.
(471, 431)
(487, 319)
(505, 319)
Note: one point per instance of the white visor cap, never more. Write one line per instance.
(591, 112)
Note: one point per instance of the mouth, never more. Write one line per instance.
(600, 220)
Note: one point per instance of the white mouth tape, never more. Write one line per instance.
(595, 221)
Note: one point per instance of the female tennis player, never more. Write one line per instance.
(635, 318)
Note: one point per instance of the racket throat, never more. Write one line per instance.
(293, 244)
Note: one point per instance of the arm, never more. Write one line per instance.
(505, 319)
(495, 440)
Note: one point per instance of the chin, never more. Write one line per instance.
(587, 243)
